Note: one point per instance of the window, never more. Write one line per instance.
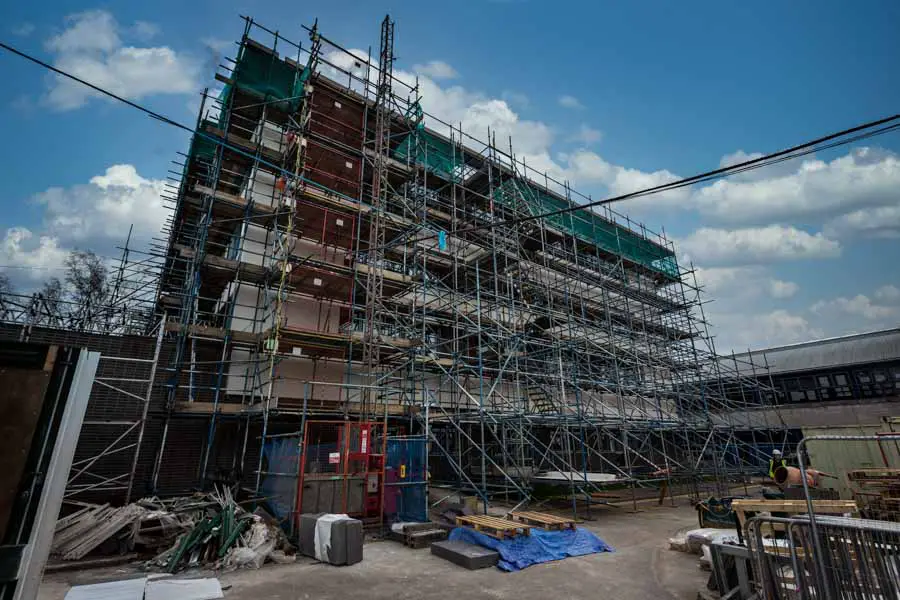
(840, 379)
(863, 377)
(824, 381)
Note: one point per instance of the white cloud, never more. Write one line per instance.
(771, 171)
(90, 30)
(104, 207)
(859, 305)
(782, 289)
(436, 69)
(865, 177)
(31, 256)
(93, 216)
(740, 331)
(881, 222)
(585, 167)
(587, 135)
(760, 245)
(91, 48)
(888, 294)
(740, 284)
(572, 102)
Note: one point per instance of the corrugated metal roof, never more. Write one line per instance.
(875, 346)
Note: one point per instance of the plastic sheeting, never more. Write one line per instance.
(539, 547)
(281, 455)
(323, 535)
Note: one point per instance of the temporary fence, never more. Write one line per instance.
(406, 479)
(853, 558)
(815, 557)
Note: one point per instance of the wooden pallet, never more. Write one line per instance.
(494, 526)
(542, 520)
(743, 506)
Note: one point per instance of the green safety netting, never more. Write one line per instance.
(433, 153)
(202, 147)
(438, 157)
(588, 226)
(266, 75)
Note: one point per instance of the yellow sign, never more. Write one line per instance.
(402, 471)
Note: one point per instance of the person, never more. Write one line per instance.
(776, 461)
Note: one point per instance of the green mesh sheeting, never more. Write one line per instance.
(202, 148)
(223, 102)
(588, 226)
(434, 153)
(268, 76)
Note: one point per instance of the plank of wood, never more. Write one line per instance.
(823, 506)
(543, 520)
(494, 526)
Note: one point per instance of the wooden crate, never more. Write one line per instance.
(542, 520)
(494, 526)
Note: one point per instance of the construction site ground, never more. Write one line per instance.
(641, 567)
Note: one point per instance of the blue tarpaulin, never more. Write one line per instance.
(539, 547)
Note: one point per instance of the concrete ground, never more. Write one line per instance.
(642, 567)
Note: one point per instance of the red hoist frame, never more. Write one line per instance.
(357, 457)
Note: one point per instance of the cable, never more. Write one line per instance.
(755, 163)
(748, 165)
(171, 122)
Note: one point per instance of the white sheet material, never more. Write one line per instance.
(127, 589)
(576, 475)
(322, 538)
(184, 589)
(157, 587)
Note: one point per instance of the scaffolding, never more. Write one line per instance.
(119, 321)
(335, 252)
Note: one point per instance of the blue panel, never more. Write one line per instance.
(406, 477)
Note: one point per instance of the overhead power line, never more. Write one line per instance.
(832, 140)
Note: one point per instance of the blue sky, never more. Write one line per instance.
(613, 96)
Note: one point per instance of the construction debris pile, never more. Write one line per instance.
(210, 530)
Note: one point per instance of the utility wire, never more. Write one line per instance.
(167, 120)
(748, 165)
(791, 153)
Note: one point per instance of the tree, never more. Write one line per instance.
(87, 285)
(6, 293)
(48, 303)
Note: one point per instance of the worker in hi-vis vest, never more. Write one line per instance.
(776, 461)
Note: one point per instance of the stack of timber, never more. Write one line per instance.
(84, 530)
(877, 491)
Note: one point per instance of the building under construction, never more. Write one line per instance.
(351, 287)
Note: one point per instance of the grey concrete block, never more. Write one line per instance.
(466, 555)
(306, 539)
(350, 535)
